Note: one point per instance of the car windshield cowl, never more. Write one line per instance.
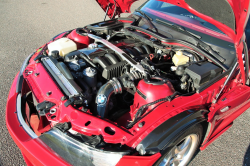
(177, 12)
(180, 16)
(197, 38)
(201, 46)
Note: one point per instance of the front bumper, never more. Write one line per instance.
(38, 150)
(35, 152)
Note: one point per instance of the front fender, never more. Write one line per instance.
(170, 130)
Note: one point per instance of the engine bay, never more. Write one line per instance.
(115, 72)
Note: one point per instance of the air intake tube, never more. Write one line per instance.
(113, 86)
(104, 93)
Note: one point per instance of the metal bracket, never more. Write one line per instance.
(44, 107)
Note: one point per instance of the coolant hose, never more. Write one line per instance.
(89, 61)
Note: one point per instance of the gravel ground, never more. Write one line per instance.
(25, 25)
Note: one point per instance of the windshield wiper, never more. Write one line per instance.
(200, 43)
(149, 19)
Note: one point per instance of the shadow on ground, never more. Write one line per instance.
(246, 161)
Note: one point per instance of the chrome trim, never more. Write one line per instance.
(224, 109)
(65, 82)
(24, 65)
(20, 118)
(118, 51)
(25, 62)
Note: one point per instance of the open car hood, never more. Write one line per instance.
(115, 7)
(230, 16)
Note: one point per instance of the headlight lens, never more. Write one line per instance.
(77, 153)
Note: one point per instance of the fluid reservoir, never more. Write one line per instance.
(180, 59)
(63, 45)
(80, 37)
(150, 90)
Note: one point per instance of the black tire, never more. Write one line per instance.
(181, 150)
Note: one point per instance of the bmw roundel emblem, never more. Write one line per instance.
(101, 99)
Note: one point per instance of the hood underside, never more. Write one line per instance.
(228, 15)
(115, 7)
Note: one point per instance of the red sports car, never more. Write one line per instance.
(149, 89)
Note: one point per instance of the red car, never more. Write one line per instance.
(149, 89)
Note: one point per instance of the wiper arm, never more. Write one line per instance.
(200, 43)
(178, 27)
(184, 30)
(149, 19)
(144, 14)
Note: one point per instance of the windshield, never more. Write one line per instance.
(177, 15)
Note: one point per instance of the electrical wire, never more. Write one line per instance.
(141, 109)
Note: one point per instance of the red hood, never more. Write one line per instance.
(117, 6)
(228, 15)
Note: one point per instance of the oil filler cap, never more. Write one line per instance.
(89, 72)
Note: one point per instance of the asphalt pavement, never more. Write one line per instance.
(27, 24)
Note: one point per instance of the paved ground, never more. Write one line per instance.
(27, 24)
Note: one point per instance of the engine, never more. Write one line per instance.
(120, 74)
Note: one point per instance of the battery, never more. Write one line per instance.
(202, 73)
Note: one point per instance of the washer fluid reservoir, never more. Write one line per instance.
(63, 45)
(180, 59)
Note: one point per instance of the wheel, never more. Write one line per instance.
(181, 150)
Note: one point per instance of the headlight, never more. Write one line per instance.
(77, 153)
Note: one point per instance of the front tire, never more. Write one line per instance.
(181, 150)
